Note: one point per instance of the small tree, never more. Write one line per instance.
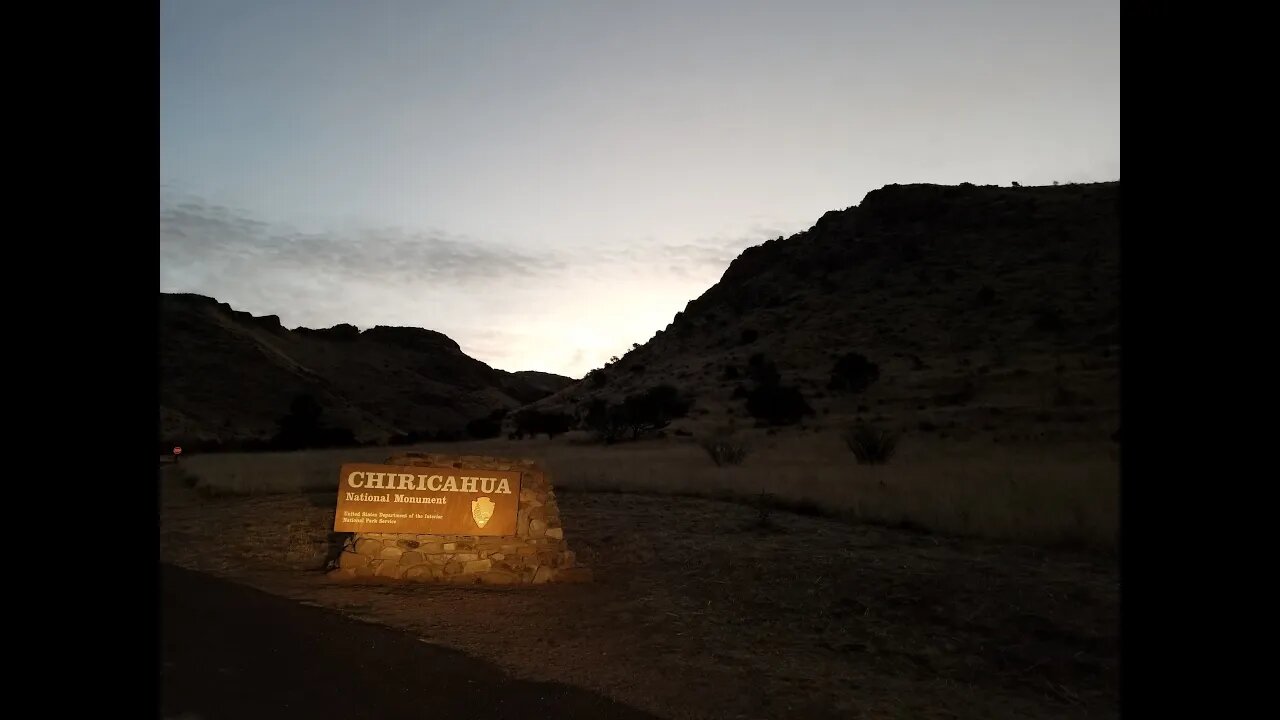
(653, 409)
(534, 422)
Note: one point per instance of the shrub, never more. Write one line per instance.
(777, 405)
(484, 428)
(871, 446)
(302, 428)
(765, 502)
(724, 449)
(853, 372)
(535, 422)
(749, 335)
(762, 371)
(640, 414)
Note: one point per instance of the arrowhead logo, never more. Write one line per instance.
(481, 510)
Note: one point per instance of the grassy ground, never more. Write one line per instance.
(1055, 494)
(698, 610)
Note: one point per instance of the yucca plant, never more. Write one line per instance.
(872, 446)
(724, 450)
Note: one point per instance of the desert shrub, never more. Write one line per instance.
(749, 335)
(764, 504)
(871, 446)
(853, 372)
(777, 405)
(534, 422)
(763, 371)
(302, 427)
(724, 449)
(654, 409)
(484, 428)
(640, 414)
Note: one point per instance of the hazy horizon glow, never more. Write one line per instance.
(548, 183)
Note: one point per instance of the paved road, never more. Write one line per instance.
(229, 651)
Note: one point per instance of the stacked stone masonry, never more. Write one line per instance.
(536, 554)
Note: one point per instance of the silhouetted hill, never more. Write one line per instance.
(974, 310)
(227, 375)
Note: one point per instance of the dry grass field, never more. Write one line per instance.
(1059, 494)
(702, 608)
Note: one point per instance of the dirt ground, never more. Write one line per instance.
(697, 611)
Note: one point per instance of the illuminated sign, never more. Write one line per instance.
(426, 500)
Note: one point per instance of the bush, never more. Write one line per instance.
(749, 336)
(641, 414)
(484, 428)
(302, 428)
(871, 446)
(533, 422)
(724, 450)
(777, 405)
(765, 502)
(762, 371)
(653, 409)
(853, 372)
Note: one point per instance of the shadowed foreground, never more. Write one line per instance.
(230, 651)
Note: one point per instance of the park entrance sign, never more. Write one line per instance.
(427, 500)
(431, 517)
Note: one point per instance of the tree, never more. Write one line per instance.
(302, 428)
(653, 409)
(535, 422)
(637, 415)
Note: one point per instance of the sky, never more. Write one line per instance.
(547, 182)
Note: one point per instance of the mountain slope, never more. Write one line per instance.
(987, 310)
(227, 375)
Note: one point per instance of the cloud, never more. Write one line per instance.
(193, 233)
(687, 259)
(551, 308)
(198, 240)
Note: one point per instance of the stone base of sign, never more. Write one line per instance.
(536, 554)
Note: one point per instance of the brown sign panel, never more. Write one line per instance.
(426, 500)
